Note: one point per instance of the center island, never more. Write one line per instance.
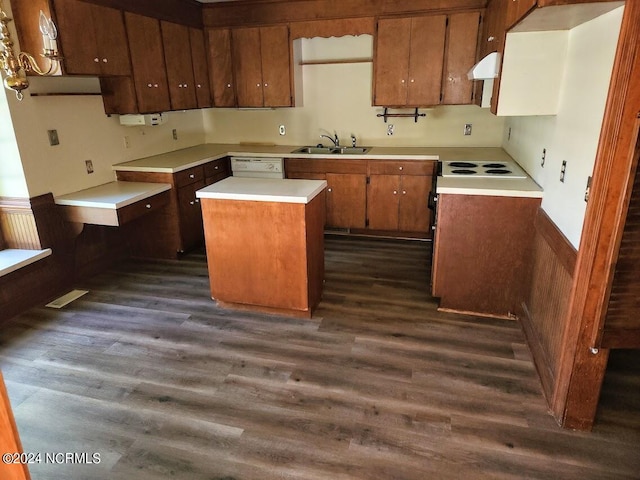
(265, 243)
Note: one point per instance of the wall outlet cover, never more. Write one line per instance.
(89, 165)
(53, 137)
(282, 130)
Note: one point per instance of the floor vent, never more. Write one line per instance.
(67, 298)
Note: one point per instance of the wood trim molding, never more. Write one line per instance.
(186, 12)
(333, 28)
(266, 12)
(582, 370)
(18, 224)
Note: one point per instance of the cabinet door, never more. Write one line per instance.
(391, 67)
(426, 60)
(200, 68)
(276, 68)
(346, 200)
(382, 202)
(247, 66)
(147, 58)
(191, 229)
(111, 38)
(413, 213)
(462, 42)
(177, 56)
(221, 67)
(77, 37)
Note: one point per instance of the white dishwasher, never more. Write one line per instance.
(257, 167)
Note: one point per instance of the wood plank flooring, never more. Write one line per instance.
(147, 372)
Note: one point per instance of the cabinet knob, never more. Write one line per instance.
(191, 175)
(491, 39)
(155, 85)
(199, 86)
(96, 59)
(257, 84)
(402, 81)
(197, 200)
(216, 167)
(400, 168)
(412, 80)
(395, 192)
(185, 85)
(329, 189)
(266, 85)
(192, 202)
(404, 192)
(228, 85)
(148, 205)
(104, 60)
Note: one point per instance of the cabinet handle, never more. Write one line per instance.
(148, 205)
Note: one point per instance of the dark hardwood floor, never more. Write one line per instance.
(147, 372)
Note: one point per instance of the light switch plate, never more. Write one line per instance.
(53, 137)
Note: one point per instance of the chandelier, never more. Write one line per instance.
(16, 66)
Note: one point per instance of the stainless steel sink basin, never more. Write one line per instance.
(333, 150)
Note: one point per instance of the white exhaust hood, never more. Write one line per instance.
(486, 68)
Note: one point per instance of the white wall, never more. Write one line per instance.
(573, 133)
(338, 97)
(12, 181)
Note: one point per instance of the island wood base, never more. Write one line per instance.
(265, 256)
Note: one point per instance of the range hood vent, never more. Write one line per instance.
(486, 68)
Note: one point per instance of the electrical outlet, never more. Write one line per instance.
(390, 129)
(127, 141)
(174, 132)
(563, 170)
(53, 137)
(544, 157)
(282, 130)
(89, 165)
(467, 129)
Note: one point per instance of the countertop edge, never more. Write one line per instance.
(154, 189)
(264, 197)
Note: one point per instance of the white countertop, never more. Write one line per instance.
(112, 195)
(497, 187)
(12, 259)
(263, 190)
(185, 158)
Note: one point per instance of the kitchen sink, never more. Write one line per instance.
(333, 150)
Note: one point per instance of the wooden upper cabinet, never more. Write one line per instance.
(147, 59)
(261, 65)
(221, 67)
(462, 45)
(247, 66)
(93, 39)
(200, 67)
(179, 64)
(516, 9)
(409, 60)
(276, 66)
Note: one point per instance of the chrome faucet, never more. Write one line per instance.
(334, 139)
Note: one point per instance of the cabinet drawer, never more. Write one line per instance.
(399, 167)
(213, 169)
(138, 209)
(188, 176)
(328, 165)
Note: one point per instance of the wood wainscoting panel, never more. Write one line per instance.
(547, 304)
(18, 224)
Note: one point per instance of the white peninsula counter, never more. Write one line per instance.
(265, 243)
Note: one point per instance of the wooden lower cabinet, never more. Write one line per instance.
(399, 203)
(346, 200)
(482, 253)
(376, 195)
(177, 228)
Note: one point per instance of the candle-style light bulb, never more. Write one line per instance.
(44, 29)
(53, 34)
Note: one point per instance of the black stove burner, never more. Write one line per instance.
(494, 165)
(464, 171)
(463, 164)
(498, 171)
